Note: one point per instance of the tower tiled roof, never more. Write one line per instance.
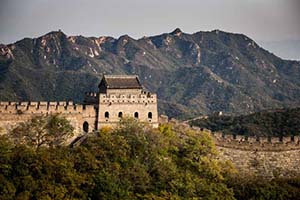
(121, 82)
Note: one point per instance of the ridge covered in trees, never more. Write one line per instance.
(280, 122)
(132, 161)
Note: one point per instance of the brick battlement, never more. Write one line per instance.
(43, 107)
(266, 157)
(254, 143)
(128, 98)
(118, 97)
(91, 94)
(257, 143)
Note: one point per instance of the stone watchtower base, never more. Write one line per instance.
(118, 96)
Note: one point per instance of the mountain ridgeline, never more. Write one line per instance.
(193, 74)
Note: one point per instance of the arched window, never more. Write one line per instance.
(106, 114)
(150, 115)
(85, 127)
(136, 115)
(120, 115)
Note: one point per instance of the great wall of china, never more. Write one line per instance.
(262, 156)
(267, 157)
(12, 113)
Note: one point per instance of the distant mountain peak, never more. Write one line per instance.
(122, 37)
(177, 32)
(199, 73)
(59, 32)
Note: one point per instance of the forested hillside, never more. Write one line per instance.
(130, 162)
(281, 122)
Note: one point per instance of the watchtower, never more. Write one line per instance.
(123, 95)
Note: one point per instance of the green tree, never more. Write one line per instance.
(51, 131)
(133, 161)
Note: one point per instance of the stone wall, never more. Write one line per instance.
(12, 113)
(260, 156)
(269, 164)
(124, 91)
(128, 105)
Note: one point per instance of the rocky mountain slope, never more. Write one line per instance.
(192, 74)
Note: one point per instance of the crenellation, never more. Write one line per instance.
(275, 140)
(286, 140)
(123, 96)
(252, 139)
(24, 103)
(21, 108)
(32, 107)
(218, 135)
(70, 109)
(13, 103)
(43, 103)
(11, 108)
(263, 140)
(61, 108)
(2, 108)
(240, 138)
(91, 94)
(255, 143)
(34, 104)
(88, 109)
(79, 108)
(264, 156)
(296, 140)
(52, 106)
(228, 137)
(52, 103)
(62, 103)
(127, 98)
(44, 107)
(4, 103)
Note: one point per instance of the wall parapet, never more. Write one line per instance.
(254, 143)
(266, 157)
(128, 98)
(43, 107)
(90, 98)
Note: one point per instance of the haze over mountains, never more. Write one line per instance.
(286, 49)
(192, 74)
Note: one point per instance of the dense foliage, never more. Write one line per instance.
(282, 122)
(255, 188)
(51, 130)
(132, 161)
(192, 74)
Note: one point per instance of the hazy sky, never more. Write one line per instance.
(260, 19)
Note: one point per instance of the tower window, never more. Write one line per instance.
(136, 115)
(106, 114)
(150, 115)
(120, 115)
(85, 127)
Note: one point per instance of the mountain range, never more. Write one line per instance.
(193, 74)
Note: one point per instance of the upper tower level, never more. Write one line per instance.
(120, 84)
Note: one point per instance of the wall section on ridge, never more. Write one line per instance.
(266, 157)
(12, 113)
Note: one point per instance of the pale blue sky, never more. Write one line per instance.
(259, 19)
